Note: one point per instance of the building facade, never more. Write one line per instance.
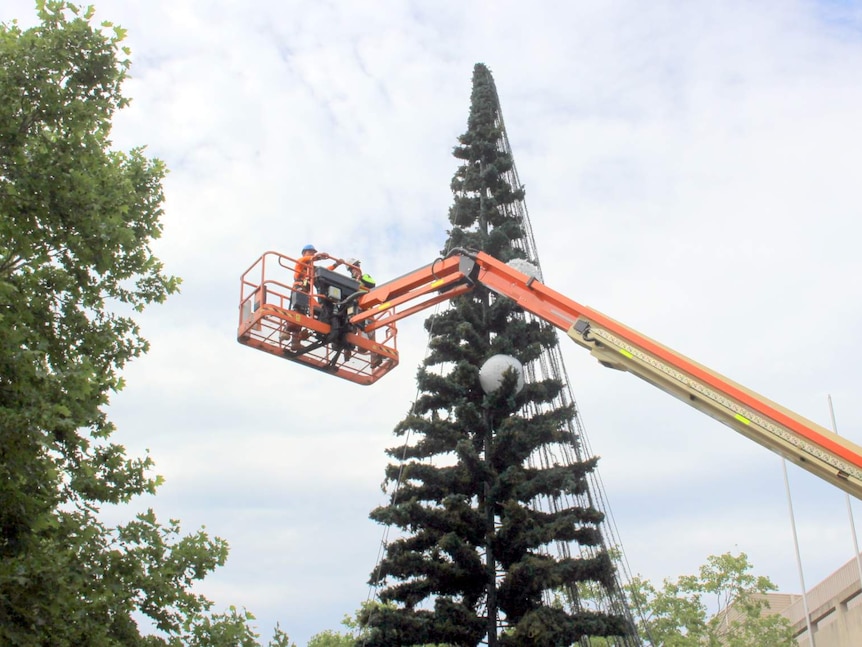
(834, 609)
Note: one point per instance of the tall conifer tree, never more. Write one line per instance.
(474, 562)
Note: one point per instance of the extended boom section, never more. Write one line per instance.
(329, 323)
(615, 345)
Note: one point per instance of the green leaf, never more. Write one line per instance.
(77, 222)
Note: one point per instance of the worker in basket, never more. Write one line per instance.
(304, 272)
(366, 282)
(303, 275)
(354, 266)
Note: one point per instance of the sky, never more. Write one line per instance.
(692, 170)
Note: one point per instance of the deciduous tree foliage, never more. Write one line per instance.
(76, 223)
(476, 498)
(679, 613)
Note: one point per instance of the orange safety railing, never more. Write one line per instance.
(311, 325)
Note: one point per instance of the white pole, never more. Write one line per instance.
(798, 558)
(849, 507)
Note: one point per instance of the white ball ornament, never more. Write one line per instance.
(524, 267)
(492, 371)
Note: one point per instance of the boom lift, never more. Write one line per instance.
(336, 327)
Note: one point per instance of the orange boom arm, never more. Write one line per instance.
(365, 316)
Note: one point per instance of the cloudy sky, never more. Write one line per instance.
(692, 169)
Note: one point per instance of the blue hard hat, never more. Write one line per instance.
(309, 248)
